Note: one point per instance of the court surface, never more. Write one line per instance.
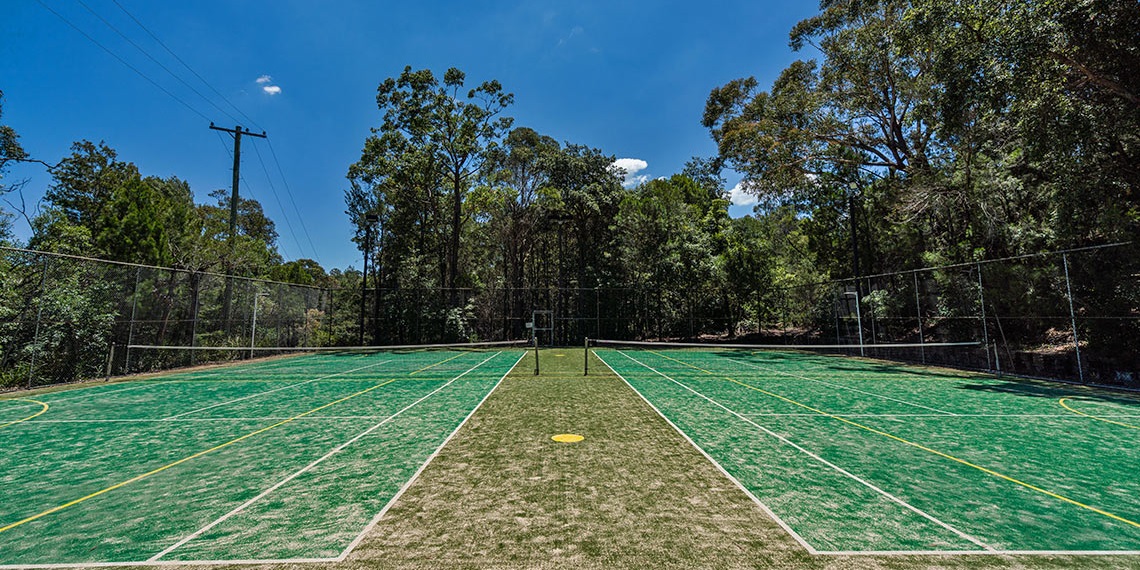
(855, 456)
(289, 459)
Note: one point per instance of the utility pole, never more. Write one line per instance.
(236, 132)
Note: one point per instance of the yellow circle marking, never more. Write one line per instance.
(1080, 413)
(44, 408)
(567, 438)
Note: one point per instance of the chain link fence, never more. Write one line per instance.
(64, 318)
(1072, 315)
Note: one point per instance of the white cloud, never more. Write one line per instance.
(740, 196)
(271, 89)
(264, 79)
(631, 166)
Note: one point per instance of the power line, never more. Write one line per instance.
(273, 152)
(248, 188)
(156, 62)
(122, 61)
(289, 192)
(277, 198)
(186, 65)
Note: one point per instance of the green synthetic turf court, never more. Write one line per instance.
(287, 459)
(854, 456)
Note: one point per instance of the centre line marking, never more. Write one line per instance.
(438, 363)
(310, 466)
(799, 448)
(918, 446)
(842, 387)
(275, 390)
(192, 457)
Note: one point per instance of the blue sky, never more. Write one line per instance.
(630, 78)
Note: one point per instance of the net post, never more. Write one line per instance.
(586, 357)
(535, 337)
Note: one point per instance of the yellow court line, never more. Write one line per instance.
(916, 445)
(201, 453)
(185, 459)
(42, 410)
(1080, 413)
(437, 363)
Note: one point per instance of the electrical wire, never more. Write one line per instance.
(289, 193)
(273, 152)
(246, 185)
(156, 62)
(186, 65)
(122, 61)
(277, 198)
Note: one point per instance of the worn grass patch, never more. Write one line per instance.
(632, 494)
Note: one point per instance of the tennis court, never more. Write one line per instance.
(286, 459)
(855, 456)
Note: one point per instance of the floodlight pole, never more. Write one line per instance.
(253, 328)
(858, 316)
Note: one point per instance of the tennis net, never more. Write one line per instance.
(964, 355)
(142, 358)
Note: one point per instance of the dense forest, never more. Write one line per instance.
(913, 134)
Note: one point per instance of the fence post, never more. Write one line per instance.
(131, 330)
(39, 314)
(985, 329)
(918, 313)
(835, 311)
(1073, 317)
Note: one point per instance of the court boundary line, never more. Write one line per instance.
(986, 470)
(890, 496)
(920, 446)
(286, 387)
(842, 387)
(128, 383)
(190, 537)
(391, 502)
(763, 507)
(340, 558)
(200, 454)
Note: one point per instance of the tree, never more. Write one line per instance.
(451, 131)
(10, 151)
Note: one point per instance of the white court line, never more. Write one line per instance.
(837, 468)
(136, 384)
(788, 529)
(963, 416)
(376, 519)
(133, 385)
(310, 466)
(842, 387)
(234, 401)
(217, 419)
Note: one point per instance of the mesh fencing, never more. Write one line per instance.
(1071, 315)
(66, 318)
